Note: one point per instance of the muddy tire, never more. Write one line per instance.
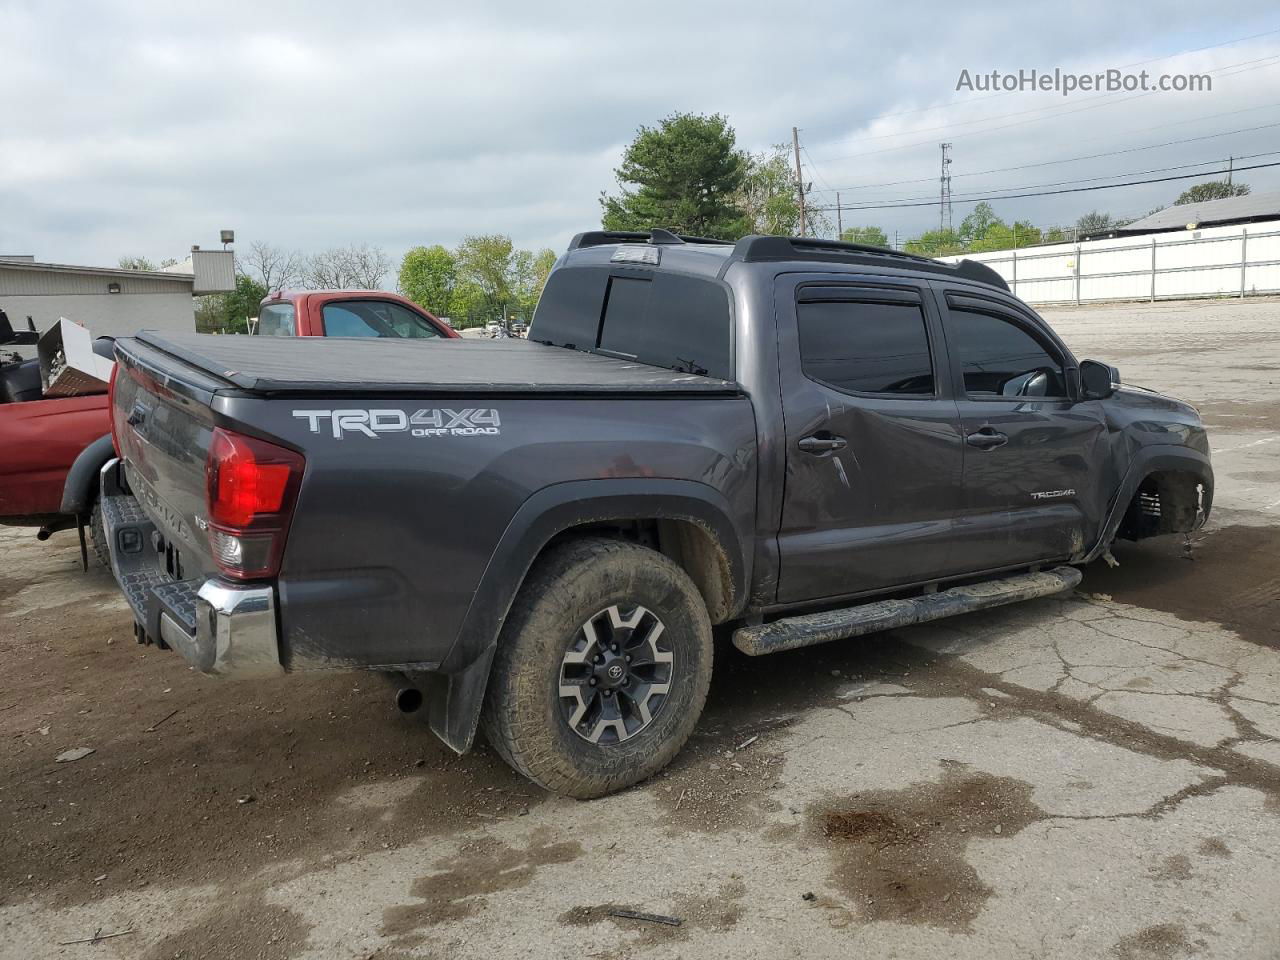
(98, 536)
(602, 668)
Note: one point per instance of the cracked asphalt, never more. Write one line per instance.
(1090, 776)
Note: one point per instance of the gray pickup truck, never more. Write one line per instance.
(795, 440)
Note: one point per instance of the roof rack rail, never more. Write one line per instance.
(596, 238)
(754, 249)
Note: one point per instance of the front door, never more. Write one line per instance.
(873, 446)
(1030, 451)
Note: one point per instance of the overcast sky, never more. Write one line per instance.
(142, 128)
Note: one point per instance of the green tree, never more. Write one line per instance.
(686, 174)
(768, 196)
(1212, 190)
(467, 306)
(1094, 222)
(540, 265)
(136, 263)
(428, 276)
(1055, 235)
(1001, 236)
(241, 304)
(936, 243)
(490, 265)
(976, 224)
(868, 236)
(211, 314)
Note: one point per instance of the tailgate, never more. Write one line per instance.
(163, 426)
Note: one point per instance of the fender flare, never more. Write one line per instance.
(455, 695)
(81, 486)
(1146, 461)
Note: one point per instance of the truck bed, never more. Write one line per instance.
(302, 365)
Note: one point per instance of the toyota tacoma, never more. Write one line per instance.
(795, 440)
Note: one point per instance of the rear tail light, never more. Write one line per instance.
(251, 487)
(111, 407)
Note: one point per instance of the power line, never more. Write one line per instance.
(1016, 123)
(1091, 156)
(1258, 63)
(1180, 123)
(795, 142)
(964, 198)
(814, 167)
(1047, 193)
(944, 197)
(1271, 60)
(961, 100)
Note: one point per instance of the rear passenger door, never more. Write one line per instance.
(1030, 461)
(873, 447)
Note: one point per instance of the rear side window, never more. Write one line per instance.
(998, 358)
(663, 319)
(866, 347)
(374, 318)
(276, 320)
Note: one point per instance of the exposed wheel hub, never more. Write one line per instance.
(616, 674)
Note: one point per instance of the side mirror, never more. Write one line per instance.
(1097, 380)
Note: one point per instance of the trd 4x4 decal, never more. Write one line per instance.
(438, 422)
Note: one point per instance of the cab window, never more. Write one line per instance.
(1000, 358)
(375, 318)
(276, 320)
(866, 347)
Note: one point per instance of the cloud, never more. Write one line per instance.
(146, 127)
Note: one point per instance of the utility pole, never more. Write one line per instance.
(839, 219)
(1230, 164)
(944, 193)
(795, 142)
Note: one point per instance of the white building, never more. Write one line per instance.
(107, 300)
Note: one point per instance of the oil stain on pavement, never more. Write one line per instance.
(899, 855)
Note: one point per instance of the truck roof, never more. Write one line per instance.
(294, 365)
(708, 257)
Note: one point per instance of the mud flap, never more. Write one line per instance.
(454, 700)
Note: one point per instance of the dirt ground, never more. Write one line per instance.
(1094, 776)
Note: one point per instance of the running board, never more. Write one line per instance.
(814, 628)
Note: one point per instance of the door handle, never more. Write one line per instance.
(821, 444)
(988, 438)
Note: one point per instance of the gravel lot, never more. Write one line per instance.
(1085, 777)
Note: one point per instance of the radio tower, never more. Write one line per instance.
(944, 195)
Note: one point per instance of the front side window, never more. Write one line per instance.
(375, 318)
(866, 347)
(276, 320)
(998, 358)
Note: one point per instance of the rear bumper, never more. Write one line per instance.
(218, 627)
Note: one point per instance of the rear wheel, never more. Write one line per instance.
(602, 669)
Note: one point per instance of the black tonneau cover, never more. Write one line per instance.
(320, 364)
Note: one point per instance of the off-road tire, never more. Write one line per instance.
(98, 536)
(568, 586)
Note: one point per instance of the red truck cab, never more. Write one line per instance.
(346, 313)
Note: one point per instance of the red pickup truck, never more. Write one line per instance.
(51, 451)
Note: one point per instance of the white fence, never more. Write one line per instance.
(1213, 262)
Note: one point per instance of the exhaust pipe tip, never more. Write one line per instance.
(408, 699)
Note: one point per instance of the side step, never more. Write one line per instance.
(814, 628)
